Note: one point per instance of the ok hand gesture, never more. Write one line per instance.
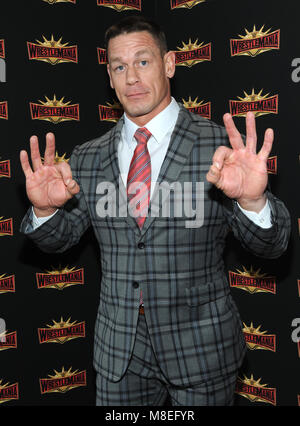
(49, 185)
(239, 171)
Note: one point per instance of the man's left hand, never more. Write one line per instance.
(239, 171)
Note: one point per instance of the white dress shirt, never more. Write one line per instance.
(161, 128)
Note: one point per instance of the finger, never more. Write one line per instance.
(73, 187)
(35, 153)
(235, 138)
(25, 164)
(50, 150)
(251, 137)
(65, 170)
(213, 175)
(222, 154)
(267, 145)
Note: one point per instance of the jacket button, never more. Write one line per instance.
(135, 284)
(141, 245)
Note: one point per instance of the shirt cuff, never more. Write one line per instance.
(262, 219)
(38, 221)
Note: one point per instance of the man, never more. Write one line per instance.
(166, 322)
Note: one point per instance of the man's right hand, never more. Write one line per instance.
(49, 185)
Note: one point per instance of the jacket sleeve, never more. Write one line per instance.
(269, 243)
(65, 228)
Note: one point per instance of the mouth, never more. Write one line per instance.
(136, 95)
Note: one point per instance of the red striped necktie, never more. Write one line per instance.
(139, 176)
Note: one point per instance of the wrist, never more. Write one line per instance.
(43, 212)
(254, 205)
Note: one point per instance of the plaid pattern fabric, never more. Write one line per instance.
(140, 174)
(193, 323)
(144, 384)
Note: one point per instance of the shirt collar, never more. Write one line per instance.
(158, 126)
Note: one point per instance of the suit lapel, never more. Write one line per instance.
(110, 168)
(180, 146)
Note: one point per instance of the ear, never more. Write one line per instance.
(110, 79)
(169, 62)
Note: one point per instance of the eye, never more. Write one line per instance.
(144, 63)
(119, 68)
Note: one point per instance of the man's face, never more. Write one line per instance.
(140, 75)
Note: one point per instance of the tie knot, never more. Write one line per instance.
(142, 135)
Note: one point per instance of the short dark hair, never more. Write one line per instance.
(136, 23)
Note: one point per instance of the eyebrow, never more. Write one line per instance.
(143, 52)
(137, 55)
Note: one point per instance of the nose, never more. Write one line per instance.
(131, 75)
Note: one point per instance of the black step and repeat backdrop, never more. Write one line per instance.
(231, 56)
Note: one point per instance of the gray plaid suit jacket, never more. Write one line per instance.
(193, 322)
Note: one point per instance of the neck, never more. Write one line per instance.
(142, 120)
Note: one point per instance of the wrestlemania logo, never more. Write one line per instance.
(254, 391)
(2, 49)
(192, 53)
(63, 381)
(3, 110)
(260, 105)
(200, 108)
(8, 340)
(255, 42)
(60, 279)
(51, 51)
(176, 4)
(110, 112)
(7, 284)
(252, 281)
(61, 332)
(256, 339)
(5, 169)
(54, 110)
(272, 165)
(58, 159)
(121, 5)
(102, 56)
(6, 227)
(8, 392)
